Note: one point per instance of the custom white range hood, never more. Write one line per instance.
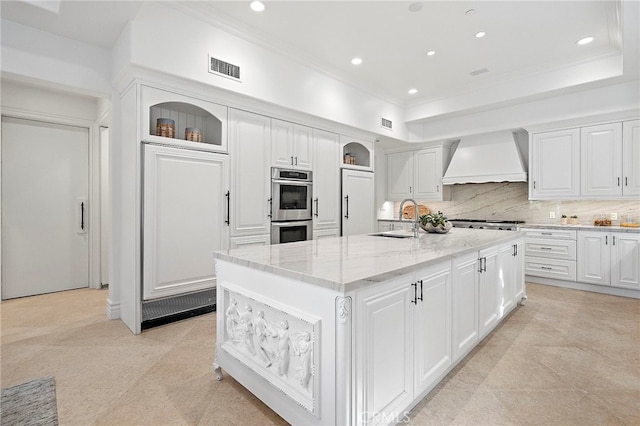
(490, 157)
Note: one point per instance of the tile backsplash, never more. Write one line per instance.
(509, 201)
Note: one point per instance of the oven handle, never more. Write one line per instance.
(291, 182)
(292, 223)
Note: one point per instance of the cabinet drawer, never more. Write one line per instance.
(550, 268)
(551, 248)
(565, 234)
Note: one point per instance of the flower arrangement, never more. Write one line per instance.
(435, 223)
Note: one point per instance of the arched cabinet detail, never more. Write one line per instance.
(183, 121)
(356, 153)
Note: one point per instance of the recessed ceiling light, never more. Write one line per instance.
(415, 7)
(356, 61)
(257, 6)
(480, 34)
(431, 53)
(413, 91)
(585, 40)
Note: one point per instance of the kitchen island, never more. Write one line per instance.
(358, 329)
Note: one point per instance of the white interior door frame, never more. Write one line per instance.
(94, 182)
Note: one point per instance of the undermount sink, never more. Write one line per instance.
(392, 235)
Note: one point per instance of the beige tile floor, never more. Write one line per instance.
(567, 358)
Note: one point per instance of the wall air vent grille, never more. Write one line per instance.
(217, 66)
(387, 124)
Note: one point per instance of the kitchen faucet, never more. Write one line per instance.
(415, 215)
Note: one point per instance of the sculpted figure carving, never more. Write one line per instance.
(246, 324)
(305, 352)
(262, 333)
(284, 348)
(233, 319)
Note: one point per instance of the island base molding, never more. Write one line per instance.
(594, 288)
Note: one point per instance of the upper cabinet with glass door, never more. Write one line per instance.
(179, 120)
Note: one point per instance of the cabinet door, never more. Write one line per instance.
(428, 174)
(385, 365)
(601, 160)
(432, 325)
(555, 165)
(184, 219)
(326, 181)
(519, 285)
(594, 257)
(506, 278)
(400, 175)
(488, 291)
(358, 212)
(281, 143)
(625, 260)
(631, 158)
(464, 304)
(250, 147)
(303, 147)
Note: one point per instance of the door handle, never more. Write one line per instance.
(81, 211)
(296, 160)
(346, 216)
(480, 265)
(415, 293)
(626, 181)
(606, 240)
(614, 240)
(270, 201)
(292, 160)
(420, 291)
(228, 195)
(316, 213)
(618, 181)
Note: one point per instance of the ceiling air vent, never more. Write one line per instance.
(217, 66)
(387, 124)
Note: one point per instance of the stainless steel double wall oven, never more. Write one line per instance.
(291, 213)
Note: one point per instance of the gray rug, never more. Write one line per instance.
(32, 403)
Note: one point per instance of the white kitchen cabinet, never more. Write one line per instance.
(385, 335)
(250, 241)
(594, 257)
(358, 212)
(510, 276)
(326, 182)
(432, 322)
(326, 233)
(250, 149)
(291, 145)
(400, 175)
(464, 310)
(609, 258)
(551, 253)
(356, 153)
(555, 165)
(601, 161)
(489, 302)
(417, 175)
(184, 214)
(406, 336)
(631, 158)
(186, 111)
(625, 260)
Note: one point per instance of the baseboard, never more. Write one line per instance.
(113, 309)
(594, 288)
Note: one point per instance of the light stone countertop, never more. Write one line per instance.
(579, 227)
(350, 263)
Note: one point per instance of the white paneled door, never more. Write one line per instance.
(45, 176)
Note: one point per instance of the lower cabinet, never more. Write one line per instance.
(488, 292)
(464, 284)
(406, 341)
(432, 322)
(609, 258)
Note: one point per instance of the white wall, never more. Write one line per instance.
(168, 41)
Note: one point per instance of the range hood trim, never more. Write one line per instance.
(491, 157)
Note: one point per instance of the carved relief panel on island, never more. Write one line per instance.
(276, 343)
